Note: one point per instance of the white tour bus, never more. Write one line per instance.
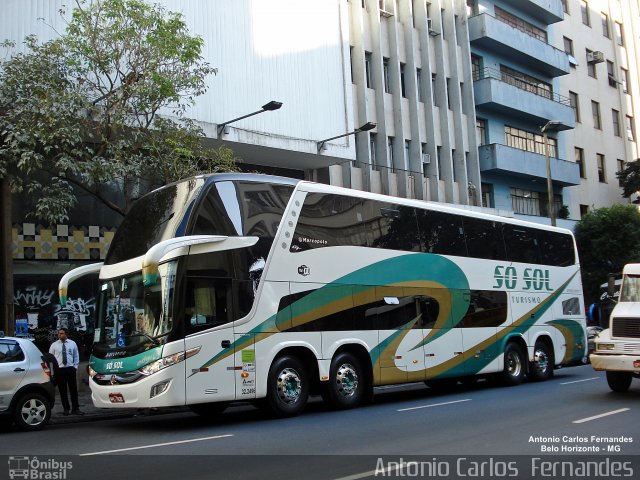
(238, 286)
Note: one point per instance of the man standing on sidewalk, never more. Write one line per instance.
(66, 352)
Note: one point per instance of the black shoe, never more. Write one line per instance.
(77, 412)
(65, 413)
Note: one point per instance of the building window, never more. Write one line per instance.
(615, 117)
(565, 6)
(402, 79)
(624, 74)
(481, 131)
(372, 147)
(611, 74)
(472, 8)
(620, 169)
(602, 178)
(476, 66)
(367, 68)
(407, 154)
(579, 157)
(584, 209)
(487, 190)
(595, 112)
(573, 101)
(618, 29)
(568, 45)
(390, 157)
(419, 85)
(584, 9)
(525, 82)
(529, 141)
(433, 89)
(591, 67)
(525, 202)
(605, 25)
(631, 134)
(520, 24)
(449, 93)
(385, 74)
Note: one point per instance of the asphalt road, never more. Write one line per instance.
(572, 414)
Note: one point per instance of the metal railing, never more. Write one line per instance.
(520, 83)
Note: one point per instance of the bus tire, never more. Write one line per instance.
(542, 366)
(209, 410)
(346, 386)
(514, 365)
(287, 387)
(619, 381)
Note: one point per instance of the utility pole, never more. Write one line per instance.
(7, 323)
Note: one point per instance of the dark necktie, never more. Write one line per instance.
(64, 354)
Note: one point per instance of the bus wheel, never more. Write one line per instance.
(209, 410)
(346, 385)
(287, 387)
(514, 365)
(619, 381)
(542, 366)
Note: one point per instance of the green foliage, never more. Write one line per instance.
(607, 239)
(630, 177)
(83, 110)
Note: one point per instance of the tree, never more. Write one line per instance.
(607, 239)
(630, 177)
(101, 106)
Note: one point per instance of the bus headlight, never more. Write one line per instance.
(167, 361)
(604, 346)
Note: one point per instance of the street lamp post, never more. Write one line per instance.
(267, 107)
(367, 126)
(549, 126)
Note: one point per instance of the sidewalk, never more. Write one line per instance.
(93, 413)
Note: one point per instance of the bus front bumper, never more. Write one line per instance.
(158, 390)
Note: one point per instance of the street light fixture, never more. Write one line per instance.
(364, 128)
(550, 126)
(268, 107)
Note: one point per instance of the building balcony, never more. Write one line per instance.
(489, 32)
(507, 95)
(547, 11)
(513, 161)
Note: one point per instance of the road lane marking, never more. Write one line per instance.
(606, 414)
(578, 381)
(155, 445)
(433, 405)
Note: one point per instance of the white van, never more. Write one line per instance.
(617, 348)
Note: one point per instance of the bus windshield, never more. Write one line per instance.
(133, 316)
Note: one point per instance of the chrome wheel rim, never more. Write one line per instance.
(289, 386)
(514, 365)
(33, 412)
(541, 360)
(347, 380)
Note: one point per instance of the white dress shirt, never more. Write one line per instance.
(73, 357)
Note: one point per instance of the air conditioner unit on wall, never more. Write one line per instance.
(595, 57)
(432, 32)
(426, 158)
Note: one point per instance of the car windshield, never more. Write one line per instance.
(132, 314)
(630, 289)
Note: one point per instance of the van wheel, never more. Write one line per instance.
(32, 411)
(209, 410)
(514, 365)
(619, 381)
(287, 387)
(542, 366)
(346, 386)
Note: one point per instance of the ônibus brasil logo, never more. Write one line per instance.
(532, 279)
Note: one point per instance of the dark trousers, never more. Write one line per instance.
(67, 380)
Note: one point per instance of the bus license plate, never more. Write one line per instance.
(636, 364)
(116, 398)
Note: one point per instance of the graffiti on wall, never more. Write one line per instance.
(38, 312)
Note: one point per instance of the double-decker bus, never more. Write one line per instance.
(234, 287)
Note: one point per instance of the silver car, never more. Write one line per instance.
(27, 393)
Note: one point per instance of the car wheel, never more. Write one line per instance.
(287, 387)
(619, 381)
(542, 366)
(346, 386)
(514, 365)
(32, 411)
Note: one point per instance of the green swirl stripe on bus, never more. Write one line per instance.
(573, 334)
